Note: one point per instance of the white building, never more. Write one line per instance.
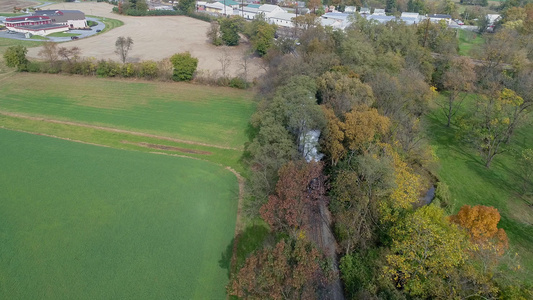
(341, 20)
(350, 9)
(283, 19)
(219, 8)
(379, 12)
(269, 10)
(74, 19)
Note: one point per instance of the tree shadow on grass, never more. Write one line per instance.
(240, 247)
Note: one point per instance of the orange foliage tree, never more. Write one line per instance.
(297, 190)
(481, 223)
(290, 270)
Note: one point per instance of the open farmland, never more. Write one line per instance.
(85, 222)
(201, 114)
(7, 5)
(156, 38)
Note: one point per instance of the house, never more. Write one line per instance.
(410, 15)
(493, 18)
(219, 8)
(364, 11)
(380, 19)
(350, 9)
(343, 20)
(247, 12)
(72, 18)
(379, 12)
(283, 19)
(231, 3)
(436, 18)
(269, 10)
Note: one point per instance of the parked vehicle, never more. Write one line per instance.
(98, 30)
(74, 37)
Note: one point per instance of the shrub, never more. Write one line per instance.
(184, 66)
(148, 69)
(238, 83)
(108, 68)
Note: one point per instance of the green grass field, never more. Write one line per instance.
(63, 34)
(85, 222)
(500, 186)
(217, 116)
(468, 41)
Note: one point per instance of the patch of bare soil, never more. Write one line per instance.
(157, 38)
(169, 148)
(8, 5)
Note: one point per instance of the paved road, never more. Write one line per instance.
(82, 33)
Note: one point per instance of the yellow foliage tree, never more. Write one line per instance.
(333, 136)
(426, 248)
(362, 125)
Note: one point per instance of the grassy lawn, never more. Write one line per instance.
(468, 40)
(109, 23)
(211, 115)
(38, 37)
(63, 34)
(6, 43)
(500, 186)
(85, 222)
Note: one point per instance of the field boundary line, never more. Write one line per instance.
(110, 129)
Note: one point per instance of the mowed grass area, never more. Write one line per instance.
(211, 115)
(85, 222)
(468, 41)
(109, 23)
(500, 186)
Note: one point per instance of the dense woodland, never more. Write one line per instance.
(367, 90)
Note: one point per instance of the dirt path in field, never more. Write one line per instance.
(157, 38)
(109, 129)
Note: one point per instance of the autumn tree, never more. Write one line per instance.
(333, 137)
(356, 196)
(341, 92)
(289, 270)
(70, 54)
(123, 46)
(50, 53)
(481, 223)
(458, 79)
(363, 125)
(313, 5)
(425, 248)
(213, 33)
(405, 191)
(296, 194)
(490, 125)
